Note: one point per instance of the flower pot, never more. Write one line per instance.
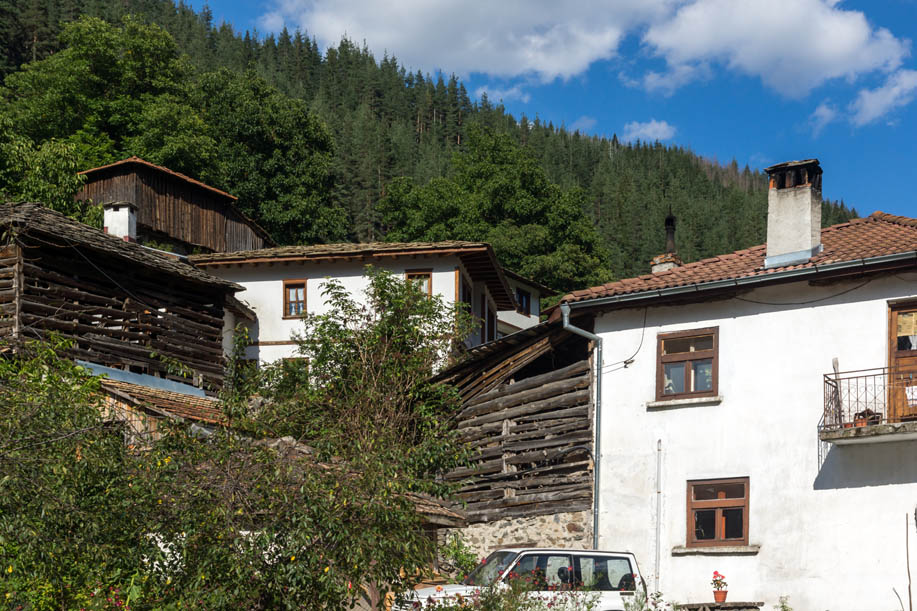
(860, 422)
(720, 595)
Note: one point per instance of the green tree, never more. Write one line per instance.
(273, 155)
(498, 193)
(45, 173)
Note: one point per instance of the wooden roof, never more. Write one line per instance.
(230, 199)
(134, 160)
(35, 219)
(477, 257)
(180, 405)
(543, 289)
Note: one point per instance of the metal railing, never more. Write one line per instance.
(868, 397)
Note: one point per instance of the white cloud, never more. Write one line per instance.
(871, 104)
(497, 94)
(583, 124)
(651, 130)
(674, 78)
(509, 38)
(824, 114)
(793, 46)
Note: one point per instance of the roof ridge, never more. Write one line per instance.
(893, 218)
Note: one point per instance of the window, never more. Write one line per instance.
(294, 298)
(687, 364)
(718, 512)
(524, 301)
(491, 325)
(547, 570)
(421, 278)
(465, 291)
(604, 573)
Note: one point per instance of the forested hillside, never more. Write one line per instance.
(345, 146)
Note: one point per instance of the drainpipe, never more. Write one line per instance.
(658, 512)
(565, 313)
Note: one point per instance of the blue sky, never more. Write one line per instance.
(760, 81)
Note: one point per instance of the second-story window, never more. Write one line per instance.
(687, 364)
(294, 298)
(422, 279)
(524, 301)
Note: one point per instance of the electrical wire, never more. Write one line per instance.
(783, 303)
(637, 351)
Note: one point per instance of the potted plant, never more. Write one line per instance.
(719, 587)
(866, 417)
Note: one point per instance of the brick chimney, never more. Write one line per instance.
(120, 220)
(793, 212)
(669, 259)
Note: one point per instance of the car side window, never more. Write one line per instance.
(604, 573)
(545, 570)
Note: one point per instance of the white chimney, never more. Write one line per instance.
(120, 220)
(793, 213)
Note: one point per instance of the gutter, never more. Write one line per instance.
(565, 312)
(747, 281)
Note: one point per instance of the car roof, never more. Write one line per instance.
(519, 550)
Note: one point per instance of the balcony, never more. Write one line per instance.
(869, 406)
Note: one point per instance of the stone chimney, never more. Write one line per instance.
(120, 220)
(793, 213)
(669, 259)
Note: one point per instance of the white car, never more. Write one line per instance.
(606, 577)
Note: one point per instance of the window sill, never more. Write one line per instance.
(686, 402)
(716, 550)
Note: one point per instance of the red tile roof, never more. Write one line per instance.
(190, 407)
(874, 236)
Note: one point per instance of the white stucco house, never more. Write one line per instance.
(759, 411)
(281, 284)
(528, 294)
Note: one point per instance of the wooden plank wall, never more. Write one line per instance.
(132, 319)
(534, 440)
(175, 207)
(10, 266)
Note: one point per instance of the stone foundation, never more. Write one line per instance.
(570, 530)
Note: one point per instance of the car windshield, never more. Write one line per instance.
(488, 571)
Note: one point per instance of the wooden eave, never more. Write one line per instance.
(230, 199)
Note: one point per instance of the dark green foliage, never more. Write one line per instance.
(385, 125)
(498, 193)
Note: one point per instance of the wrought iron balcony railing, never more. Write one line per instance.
(868, 397)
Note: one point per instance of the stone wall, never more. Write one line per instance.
(571, 530)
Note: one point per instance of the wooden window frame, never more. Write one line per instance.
(408, 273)
(684, 357)
(718, 505)
(286, 301)
(527, 311)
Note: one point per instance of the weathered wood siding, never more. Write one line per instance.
(177, 208)
(534, 440)
(10, 266)
(118, 316)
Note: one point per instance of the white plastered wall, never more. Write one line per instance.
(516, 319)
(263, 292)
(832, 531)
